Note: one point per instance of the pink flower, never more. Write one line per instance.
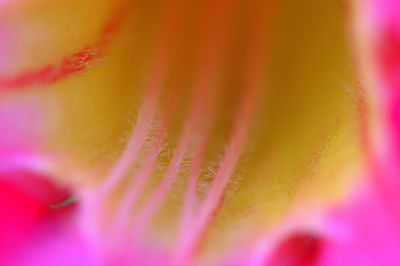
(237, 154)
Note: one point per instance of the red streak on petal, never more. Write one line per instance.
(72, 64)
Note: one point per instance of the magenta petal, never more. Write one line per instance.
(27, 201)
(372, 234)
(52, 246)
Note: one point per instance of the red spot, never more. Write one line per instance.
(389, 54)
(300, 249)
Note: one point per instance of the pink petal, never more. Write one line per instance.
(27, 200)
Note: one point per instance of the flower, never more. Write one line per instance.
(240, 149)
